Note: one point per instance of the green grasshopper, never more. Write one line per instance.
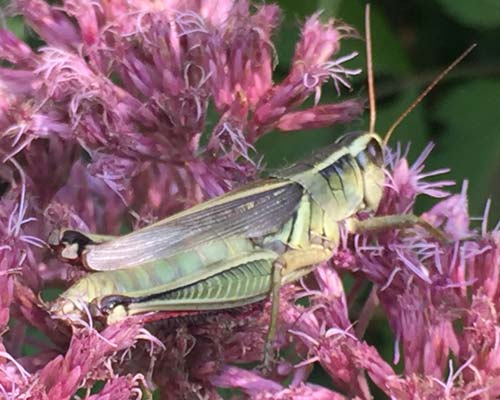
(231, 250)
(239, 248)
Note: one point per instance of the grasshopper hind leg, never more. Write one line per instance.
(269, 356)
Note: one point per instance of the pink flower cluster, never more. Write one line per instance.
(130, 111)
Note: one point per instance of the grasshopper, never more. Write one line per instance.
(231, 250)
(239, 248)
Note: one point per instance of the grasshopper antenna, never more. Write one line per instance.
(373, 301)
(426, 91)
(369, 69)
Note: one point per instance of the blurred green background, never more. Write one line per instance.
(412, 42)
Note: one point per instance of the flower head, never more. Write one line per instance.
(130, 111)
(138, 109)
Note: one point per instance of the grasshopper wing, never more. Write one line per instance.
(252, 211)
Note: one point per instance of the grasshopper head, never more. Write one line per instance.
(368, 151)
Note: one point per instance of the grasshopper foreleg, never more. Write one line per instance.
(387, 222)
(381, 223)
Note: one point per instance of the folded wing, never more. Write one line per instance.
(252, 211)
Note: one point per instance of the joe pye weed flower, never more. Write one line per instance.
(107, 122)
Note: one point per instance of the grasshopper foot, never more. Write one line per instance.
(269, 359)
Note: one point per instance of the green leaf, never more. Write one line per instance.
(16, 26)
(470, 142)
(297, 8)
(389, 56)
(330, 7)
(477, 13)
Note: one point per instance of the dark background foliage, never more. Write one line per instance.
(413, 41)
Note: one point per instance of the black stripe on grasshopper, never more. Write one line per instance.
(69, 245)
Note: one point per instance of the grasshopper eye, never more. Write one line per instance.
(375, 152)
